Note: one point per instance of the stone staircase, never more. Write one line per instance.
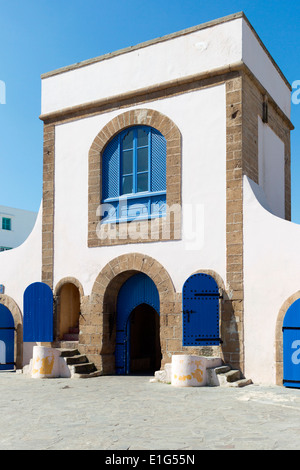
(78, 364)
(221, 376)
(225, 376)
(72, 335)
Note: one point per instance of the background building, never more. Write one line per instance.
(15, 226)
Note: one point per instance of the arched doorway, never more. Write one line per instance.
(7, 339)
(144, 348)
(68, 312)
(137, 333)
(291, 346)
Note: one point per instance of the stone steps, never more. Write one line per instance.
(66, 345)
(78, 364)
(72, 334)
(225, 376)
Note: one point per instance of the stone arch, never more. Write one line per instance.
(63, 283)
(134, 117)
(68, 280)
(18, 320)
(279, 337)
(99, 337)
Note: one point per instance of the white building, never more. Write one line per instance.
(15, 226)
(196, 123)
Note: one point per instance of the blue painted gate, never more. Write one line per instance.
(200, 311)
(291, 346)
(139, 289)
(7, 339)
(38, 313)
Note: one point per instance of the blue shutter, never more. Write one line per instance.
(7, 335)
(38, 313)
(110, 169)
(158, 161)
(154, 205)
(200, 316)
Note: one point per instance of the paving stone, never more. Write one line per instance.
(129, 412)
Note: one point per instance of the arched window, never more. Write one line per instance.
(134, 175)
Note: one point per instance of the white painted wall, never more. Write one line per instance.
(22, 266)
(262, 67)
(19, 268)
(22, 223)
(199, 51)
(178, 57)
(201, 119)
(271, 276)
(271, 168)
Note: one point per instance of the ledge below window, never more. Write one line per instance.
(133, 208)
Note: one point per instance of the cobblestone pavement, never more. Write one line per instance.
(120, 413)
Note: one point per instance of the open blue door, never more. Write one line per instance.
(38, 313)
(7, 339)
(291, 346)
(139, 289)
(200, 311)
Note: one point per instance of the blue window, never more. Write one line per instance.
(134, 175)
(6, 223)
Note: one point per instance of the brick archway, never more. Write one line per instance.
(17, 316)
(134, 117)
(68, 280)
(99, 333)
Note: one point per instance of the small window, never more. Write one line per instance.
(6, 223)
(134, 175)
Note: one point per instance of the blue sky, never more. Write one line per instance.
(37, 36)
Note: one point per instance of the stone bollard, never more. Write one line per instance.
(45, 362)
(190, 371)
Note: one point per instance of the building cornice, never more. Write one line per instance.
(92, 107)
(184, 32)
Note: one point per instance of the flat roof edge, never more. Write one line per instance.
(167, 37)
(125, 50)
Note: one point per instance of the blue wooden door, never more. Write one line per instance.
(38, 313)
(136, 290)
(291, 346)
(200, 307)
(7, 339)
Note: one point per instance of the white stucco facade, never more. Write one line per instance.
(206, 48)
(271, 276)
(203, 240)
(83, 99)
